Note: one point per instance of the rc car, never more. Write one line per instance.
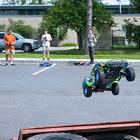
(104, 77)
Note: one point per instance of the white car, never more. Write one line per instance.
(25, 44)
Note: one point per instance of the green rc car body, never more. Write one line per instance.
(105, 77)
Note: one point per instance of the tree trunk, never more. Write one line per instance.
(82, 40)
(79, 37)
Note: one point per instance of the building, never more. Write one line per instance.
(32, 15)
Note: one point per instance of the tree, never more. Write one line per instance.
(72, 14)
(132, 32)
(11, 2)
(136, 5)
(22, 2)
(58, 32)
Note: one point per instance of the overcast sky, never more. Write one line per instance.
(116, 2)
(107, 1)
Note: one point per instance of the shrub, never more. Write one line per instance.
(69, 45)
(132, 32)
(19, 27)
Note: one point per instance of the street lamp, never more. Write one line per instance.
(120, 6)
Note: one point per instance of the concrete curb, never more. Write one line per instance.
(61, 61)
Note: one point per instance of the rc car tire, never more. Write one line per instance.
(57, 136)
(87, 91)
(112, 137)
(130, 74)
(99, 77)
(115, 88)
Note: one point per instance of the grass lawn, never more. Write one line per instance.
(115, 53)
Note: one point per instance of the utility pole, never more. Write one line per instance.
(120, 6)
(90, 36)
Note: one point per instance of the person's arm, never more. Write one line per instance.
(5, 40)
(14, 41)
(94, 39)
(42, 38)
(50, 38)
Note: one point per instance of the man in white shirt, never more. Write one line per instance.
(45, 39)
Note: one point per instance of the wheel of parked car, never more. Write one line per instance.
(87, 90)
(112, 137)
(115, 88)
(57, 136)
(27, 47)
(130, 74)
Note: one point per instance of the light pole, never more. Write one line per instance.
(120, 6)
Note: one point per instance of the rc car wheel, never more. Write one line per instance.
(112, 137)
(57, 136)
(87, 90)
(99, 77)
(115, 89)
(130, 74)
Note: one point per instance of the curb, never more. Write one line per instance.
(61, 61)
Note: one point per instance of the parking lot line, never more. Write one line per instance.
(43, 69)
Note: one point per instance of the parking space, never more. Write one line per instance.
(54, 96)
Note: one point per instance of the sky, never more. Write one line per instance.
(106, 1)
(116, 2)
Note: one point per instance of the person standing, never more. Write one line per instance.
(91, 43)
(10, 41)
(45, 39)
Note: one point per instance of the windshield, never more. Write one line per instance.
(18, 35)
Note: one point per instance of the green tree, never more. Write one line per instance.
(38, 2)
(132, 32)
(72, 14)
(23, 2)
(2, 27)
(136, 5)
(58, 33)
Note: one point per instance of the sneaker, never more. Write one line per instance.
(6, 64)
(91, 63)
(12, 64)
(48, 58)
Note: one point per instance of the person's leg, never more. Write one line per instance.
(91, 55)
(47, 54)
(11, 57)
(7, 56)
(44, 53)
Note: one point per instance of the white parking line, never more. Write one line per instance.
(43, 69)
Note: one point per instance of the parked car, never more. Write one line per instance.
(25, 44)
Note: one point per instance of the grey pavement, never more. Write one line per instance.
(54, 97)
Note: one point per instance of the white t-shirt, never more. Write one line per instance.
(46, 38)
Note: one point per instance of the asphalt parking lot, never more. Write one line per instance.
(54, 97)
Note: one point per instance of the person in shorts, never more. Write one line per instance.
(9, 40)
(45, 39)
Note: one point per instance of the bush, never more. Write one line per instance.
(132, 32)
(69, 45)
(2, 27)
(19, 27)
